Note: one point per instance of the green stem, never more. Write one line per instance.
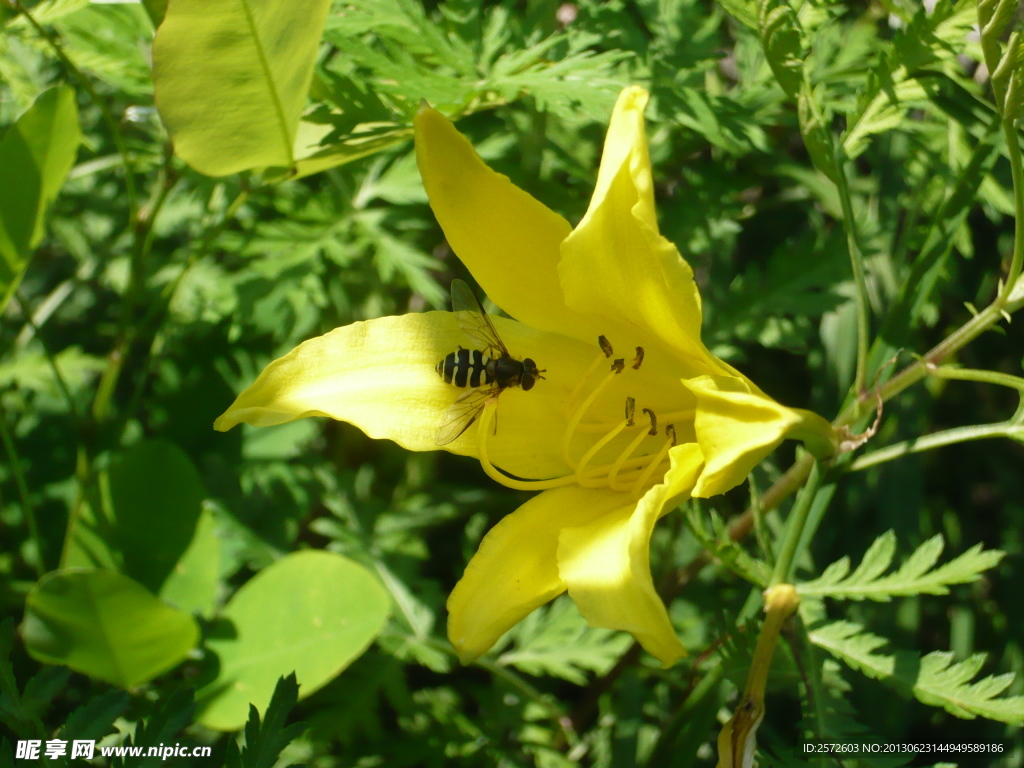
(26, 500)
(128, 332)
(108, 117)
(664, 749)
(1017, 173)
(783, 570)
(913, 373)
(937, 440)
(859, 276)
(50, 358)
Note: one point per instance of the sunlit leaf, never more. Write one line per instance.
(36, 154)
(231, 79)
(311, 613)
(105, 625)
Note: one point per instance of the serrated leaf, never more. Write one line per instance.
(170, 714)
(264, 742)
(558, 642)
(712, 534)
(935, 679)
(744, 11)
(883, 112)
(916, 576)
(95, 718)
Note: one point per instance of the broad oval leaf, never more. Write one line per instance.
(36, 154)
(155, 499)
(105, 625)
(311, 612)
(230, 79)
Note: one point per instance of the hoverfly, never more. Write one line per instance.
(487, 372)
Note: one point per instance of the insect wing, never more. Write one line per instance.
(463, 412)
(474, 321)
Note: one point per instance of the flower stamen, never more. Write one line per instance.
(639, 359)
(617, 367)
(606, 352)
(659, 457)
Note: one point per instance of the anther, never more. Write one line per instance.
(638, 359)
(670, 430)
(606, 346)
(654, 421)
(619, 365)
(630, 410)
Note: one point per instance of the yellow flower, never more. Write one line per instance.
(604, 479)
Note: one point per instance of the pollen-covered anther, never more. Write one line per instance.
(630, 410)
(670, 431)
(619, 364)
(639, 359)
(654, 422)
(606, 346)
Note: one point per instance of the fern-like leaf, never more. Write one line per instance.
(917, 576)
(936, 679)
(558, 642)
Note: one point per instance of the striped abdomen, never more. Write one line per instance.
(465, 368)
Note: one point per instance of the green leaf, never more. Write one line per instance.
(917, 576)
(231, 79)
(883, 112)
(782, 40)
(192, 584)
(744, 11)
(95, 718)
(311, 612)
(557, 642)
(156, 10)
(935, 679)
(105, 625)
(264, 743)
(713, 535)
(816, 133)
(155, 499)
(36, 154)
(170, 714)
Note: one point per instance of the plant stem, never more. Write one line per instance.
(937, 440)
(1017, 173)
(28, 511)
(794, 530)
(859, 276)
(50, 358)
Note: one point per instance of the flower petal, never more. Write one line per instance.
(738, 425)
(379, 375)
(515, 570)
(606, 563)
(617, 266)
(508, 239)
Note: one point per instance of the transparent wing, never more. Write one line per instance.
(463, 412)
(474, 321)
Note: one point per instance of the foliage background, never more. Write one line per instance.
(157, 320)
